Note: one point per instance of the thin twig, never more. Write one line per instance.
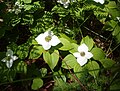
(83, 87)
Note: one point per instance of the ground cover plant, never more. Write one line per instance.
(59, 45)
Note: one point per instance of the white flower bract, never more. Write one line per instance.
(118, 18)
(100, 1)
(64, 2)
(47, 40)
(9, 58)
(82, 55)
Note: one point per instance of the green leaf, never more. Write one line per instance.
(60, 81)
(22, 67)
(69, 62)
(116, 30)
(107, 63)
(110, 25)
(113, 9)
(74, 49)
(36, 52)
(93, 68)
(52, 59)
(37, 83)
(28, 7)
(116, 33)
(47, 57)
(66, 37)
(26, 1)
(98, 53)
(55, 59)
(59, 77)
(43, 71)
(78, 70)
(66, 44)
(88, 41)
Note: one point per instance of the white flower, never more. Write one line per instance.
(47, 40)
(72, 0)
(9, 58)
(64, 2)
(83, 55)
(118, 18)
(100, 1)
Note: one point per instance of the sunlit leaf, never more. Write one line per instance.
(26, 1)
(110, 25)
(116, 33)
(54, 59)
(78, 70)
(98, 53)
(37, 83)
(69, 62)
(88, 41)
(93, 68)
(66, 44)
(74, 49)
(47, 57)
(66, 37)
(113, 10)
(51, 59)
(28, 7)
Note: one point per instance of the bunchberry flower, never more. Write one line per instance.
(64, 2)
(47, 40)
(9, 58)
(118, 18)
(99, 1)
(83, 55)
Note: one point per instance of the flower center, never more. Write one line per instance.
(82, 54)
(8, 58)
(48, 38)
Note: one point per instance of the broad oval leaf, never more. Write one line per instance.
(66, 44)
(47, 57)
(98, 53)
(107, 63)
(69, 62)
(36, 52)
(37, 83)
(55, 59)
(93, 68)
(52, 59)
(88, 41)
(116, 33)
(74, 49)
(78, 70)
(62, 35)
